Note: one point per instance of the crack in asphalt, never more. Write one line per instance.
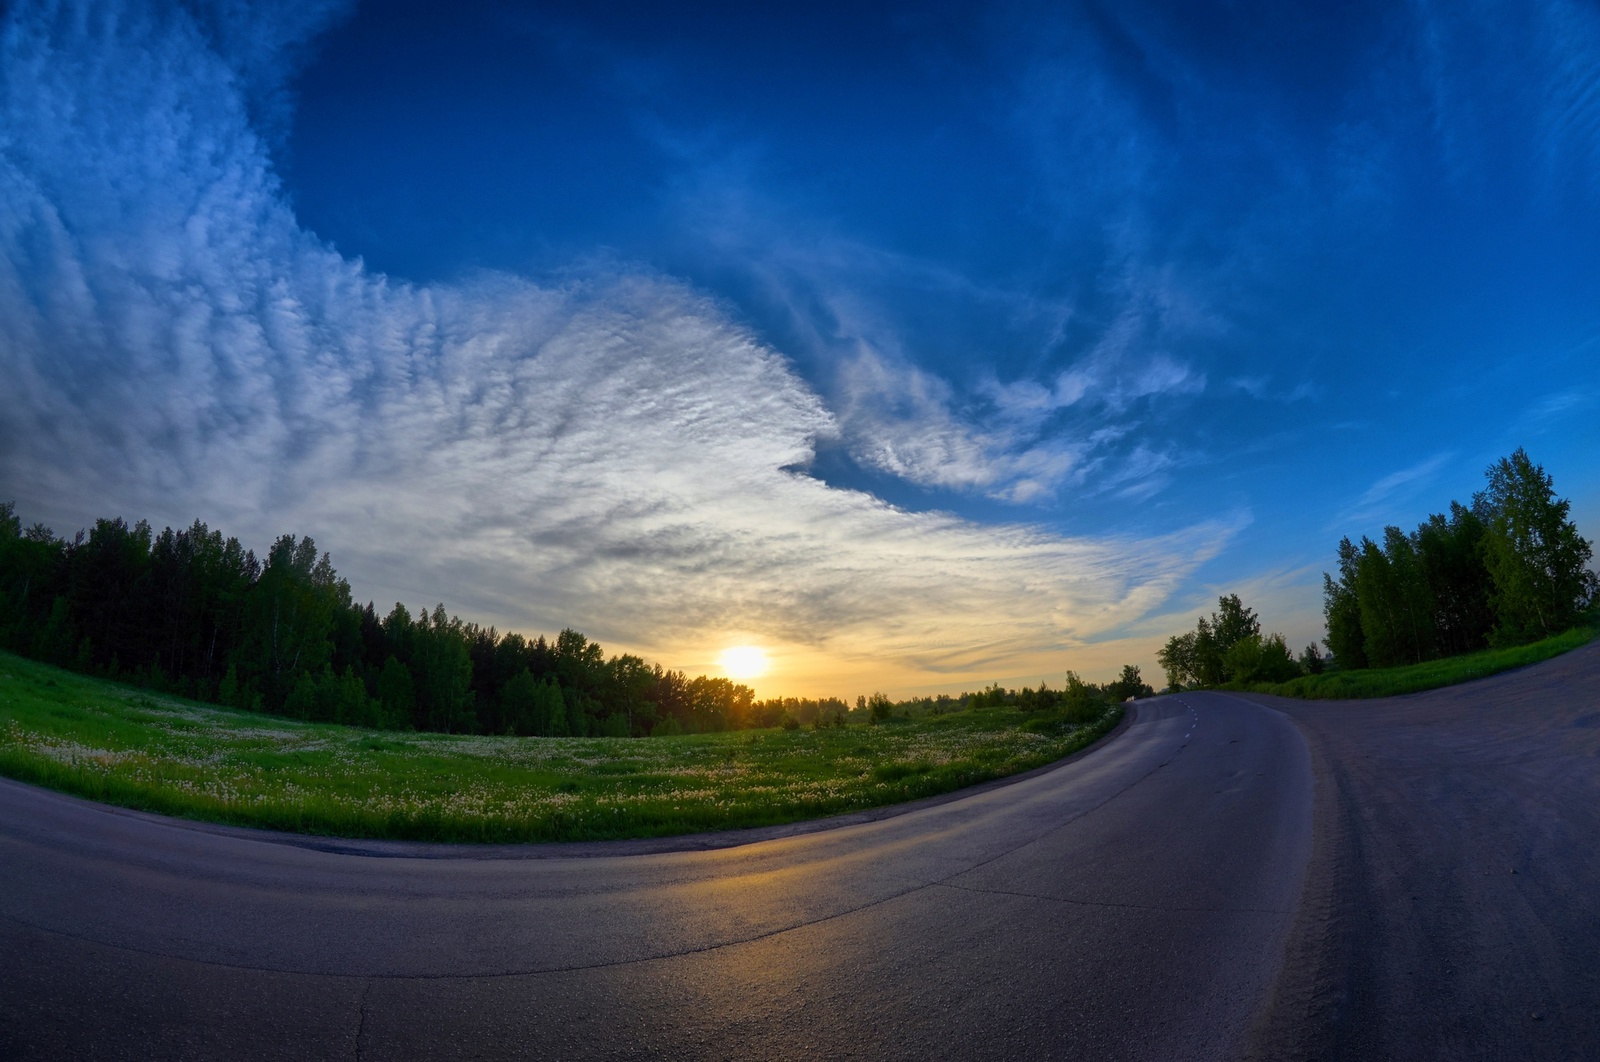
(361, 1026)
(1120, 906)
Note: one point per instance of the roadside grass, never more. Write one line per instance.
(126, 746)
(1393, 681)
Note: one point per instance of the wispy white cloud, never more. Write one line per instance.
(1003, 438)
(1023, 439)
(615, 453)
(904, 421)
(1420, 472)
(952, 428)
(1377, 502)
(1479, 64)
(1262, 390)
(1559, 404)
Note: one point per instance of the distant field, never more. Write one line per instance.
(1391, 682)
(127, 746)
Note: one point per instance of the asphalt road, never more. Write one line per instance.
(1220, 880)
(1452, 906)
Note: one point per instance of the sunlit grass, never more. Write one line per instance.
(126, 746)
(1393, 681)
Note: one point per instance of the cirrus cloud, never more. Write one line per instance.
(613, 453)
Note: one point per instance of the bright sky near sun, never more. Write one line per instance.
(911, 347)
(744, 662)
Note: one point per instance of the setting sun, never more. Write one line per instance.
(743, 662)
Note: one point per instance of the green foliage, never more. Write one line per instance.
(879, 707)
(350, 701)
(1178, 659)
(1395, 601)
(1214, 640)
(531, 706)
(992, 696)
(1451, 551)
(1256, 659)
(816, 712)
(443, 672)
(289, 617)
(1341, 607)
(228, 688)
(1080, 701)
(1507, 570)
(302, 700)
(1232, 623)
(1128, 684)
(397, 695)
(53, 642)
(1533, 552)
(1413, 598)
(1222, 649)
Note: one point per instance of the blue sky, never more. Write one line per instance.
(921, 346)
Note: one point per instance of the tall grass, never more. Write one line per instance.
(126, 746)
(1393, 681)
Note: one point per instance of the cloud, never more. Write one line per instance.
(1512, 91)
(1375, 502)
(1004, 440)
(615, 454)
(1559, 404)
(1019, 440)
(1260, 388)
(903, 420)
(1420, 472)
(879, 321)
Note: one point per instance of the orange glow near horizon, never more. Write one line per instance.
(773, 667)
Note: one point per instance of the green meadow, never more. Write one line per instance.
(127, 746)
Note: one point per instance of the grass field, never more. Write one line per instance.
(126, 746)
(1391, 682)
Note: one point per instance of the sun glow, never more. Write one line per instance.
(743, 661)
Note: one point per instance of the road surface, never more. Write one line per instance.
(1228, 877)
(1452, 907)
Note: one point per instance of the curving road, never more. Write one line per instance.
(1224, 878)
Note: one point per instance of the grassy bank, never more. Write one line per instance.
(1393, 681)
(126, 746)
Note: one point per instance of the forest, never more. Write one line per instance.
(193, 613)
(1507, 569)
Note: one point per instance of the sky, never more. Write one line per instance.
(920, 346)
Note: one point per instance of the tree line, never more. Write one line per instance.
(193, 613)
(1507, 569)
(1076, 698)
(196, 614)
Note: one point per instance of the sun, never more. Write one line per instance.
(743, 661)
